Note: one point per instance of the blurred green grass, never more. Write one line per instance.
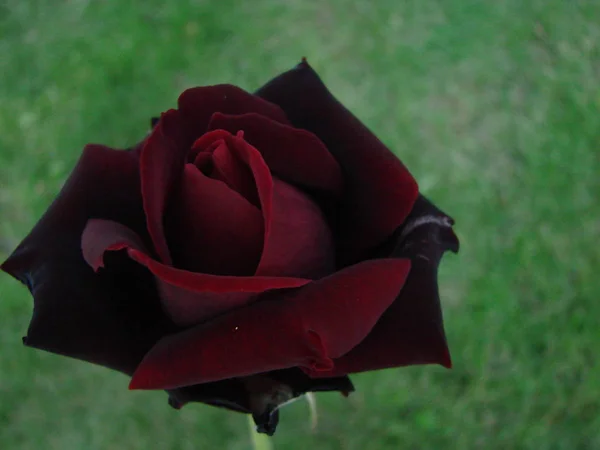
(493, 105)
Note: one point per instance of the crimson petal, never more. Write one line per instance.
(379, 191)
(110, 319)
(411, 331)
(305, 327)
(186, 296)
(294, 155)
(299, 242)
(212, 228)
(161, 165)
(287, 212)
(229, 169)
(198, 104)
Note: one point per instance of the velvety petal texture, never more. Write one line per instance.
(188, 297)
(161, 165)
(197, 105)
(411, 331)
(220, 245)
(304, 328)
(111, 318)
(294, 155)
(379, 190)
(250, 249)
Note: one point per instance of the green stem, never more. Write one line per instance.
(312, 405)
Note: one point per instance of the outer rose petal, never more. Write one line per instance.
(305, 327)
(187, 297)
(379, 190)
(110, 319)
(411, 331)
(294, 155)
(198, 104)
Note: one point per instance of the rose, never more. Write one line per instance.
(252, 248)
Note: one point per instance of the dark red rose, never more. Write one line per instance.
(252, 248)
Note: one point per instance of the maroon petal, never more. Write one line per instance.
(161, 165)
(187, 297)
(198, 104)
(379, 190)
(294, 155)
(101, 235)
(287, 212)
(411, 331)
(111, 318)
(227, 168)
(305, 328)
(201, 282)
(206, 144)
(299, 242)
(212, 228)
(212, 155)
(260, 171)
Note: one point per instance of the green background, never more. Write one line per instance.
(493, 105)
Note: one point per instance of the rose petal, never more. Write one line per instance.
(161, 166)
(187, 297)
(293, 155)
(260, 171)
(111, 318)
(185, 307)
(411, 331)
(213, 229)
(207, 143)
(229, 169)
(379, 191)
(305, 327)
(297, 240)
(299, 243)
(201, 282)
(198, 104)
(203, 162)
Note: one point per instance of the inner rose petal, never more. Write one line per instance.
(213, 229)
(297, 239)
(294, 155)
(227, 167)
(300, 243)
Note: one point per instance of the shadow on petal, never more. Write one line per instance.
(113, 318)
(379, 191)
(411, 331)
